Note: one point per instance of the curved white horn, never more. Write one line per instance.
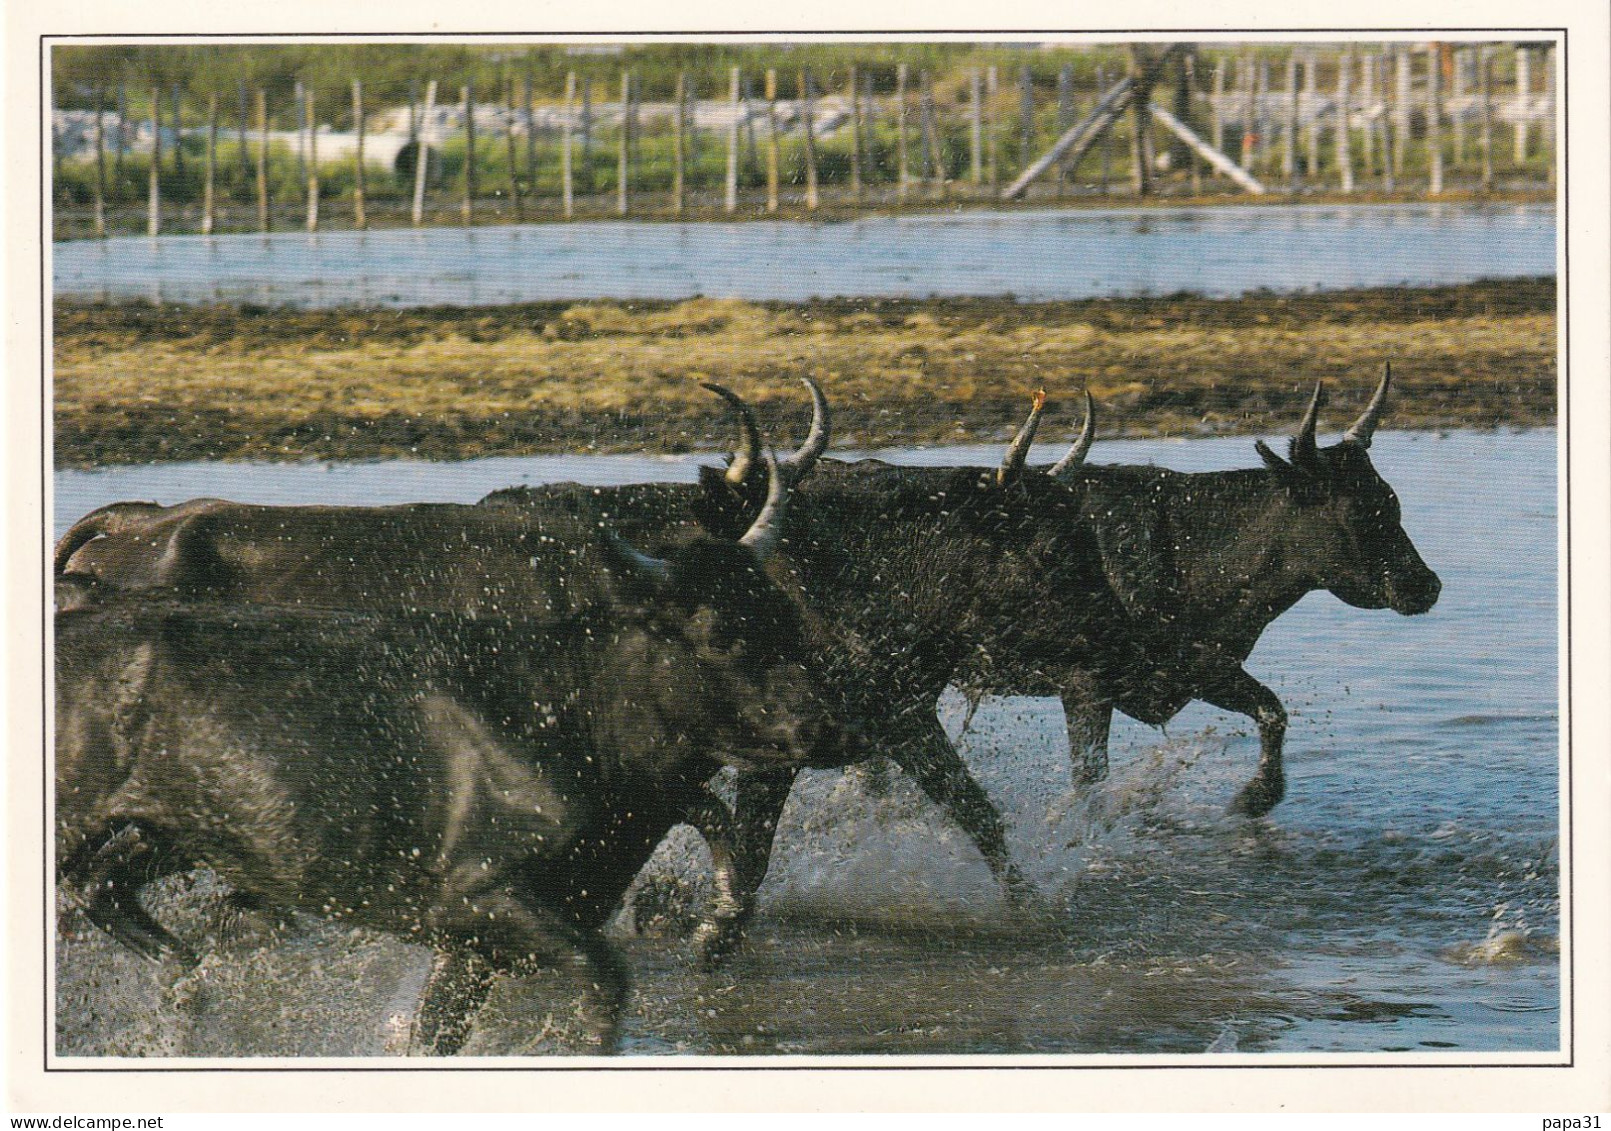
(1082, 446)
(816, 441)
(1012, 464)
(1365, 427)
(766, 531)
(750, 454)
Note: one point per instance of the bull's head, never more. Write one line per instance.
(732, 497)
(730, 672)
(1350, 535)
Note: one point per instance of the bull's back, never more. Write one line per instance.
(534, 561)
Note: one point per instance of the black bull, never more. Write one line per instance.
(904, 582)
(1004, 593)
(1193, 568)
(1204, 562)
(485, 782)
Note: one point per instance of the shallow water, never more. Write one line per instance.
(1034, 255)
(1404, 897)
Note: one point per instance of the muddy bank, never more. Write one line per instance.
(137, 382)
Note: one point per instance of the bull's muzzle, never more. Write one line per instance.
(1413, 592)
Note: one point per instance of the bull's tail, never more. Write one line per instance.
(115, 518)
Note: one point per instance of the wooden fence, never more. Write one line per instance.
(1383, 119)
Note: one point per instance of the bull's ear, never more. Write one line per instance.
(1271, 460)
(1304, 479)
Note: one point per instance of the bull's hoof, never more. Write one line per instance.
(1090, 771)
(1258, 797)
(607, 1038)
(1025, 902)
(715, 944)
(142, 935)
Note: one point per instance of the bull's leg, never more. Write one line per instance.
(919, 746)
(456, 987)
(1232, 689)
(511, 933)
(1088, 713)
(741, 853)
(112, 873)
(722, 929)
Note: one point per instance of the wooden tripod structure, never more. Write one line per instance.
(1134, 93)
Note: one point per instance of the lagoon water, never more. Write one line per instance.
(1403, 899)
(1033, 255)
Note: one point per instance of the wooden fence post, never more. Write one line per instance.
(807, 112)
(178, 132)
(100, 161)
(512, 147)
(1244, 86)
(1345, 99)
(587, 132)
(1141, 125)
(1217, 105)
(1289, 136)
(751, 157)
(359, 220)
(263, 219)
(422, 153)
(623, 178)
(900, 131)
(298, 114)
(1485, 73)
(207, 204)
(730, 195)
(243, 121)
(1311, 90)
(1026, 117)
(1367, 96)
(1261, 124)
(771, 140)
(414, 113)
(122, 142)
(531, 131)
(1524, 90)
(976, 126)
(931, 139)
(566, 187)
(313, 165)
(691, 127)
(1457, 94)
(1065, 118)
(467, 101)
(1189, 65)
(1434, 121)
(1107, 134)
(58, 185)
(992, 165)
(632, 128)
(1401, 112)
(1549, 114)
(679, 122)
(855, 133)
(1385, 132)
(153, 219)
